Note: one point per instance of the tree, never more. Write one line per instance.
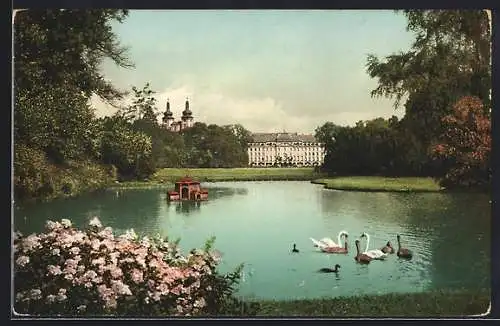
(128, 150)
(326, 133)
(449, 59)
(143, 107)
(467, 144)
(65, 48)
(57, 58)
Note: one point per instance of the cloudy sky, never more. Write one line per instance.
(268, 70)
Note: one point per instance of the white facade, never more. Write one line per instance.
(285, 149)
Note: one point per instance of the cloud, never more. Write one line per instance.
(257, 114)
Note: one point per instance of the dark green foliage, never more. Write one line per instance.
(64, 48)
(57, 58)
(449, 60)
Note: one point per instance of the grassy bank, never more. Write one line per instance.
(141, 185)
(371, 183)
(236, 174)
(427, 304)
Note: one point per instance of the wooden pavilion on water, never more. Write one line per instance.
(187, 189)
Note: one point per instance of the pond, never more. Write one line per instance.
(257, 223)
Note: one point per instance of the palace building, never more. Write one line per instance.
(285, 149)
(185, 122)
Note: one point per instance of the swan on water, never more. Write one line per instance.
(361, 257)
(337, 250)
(374, 253)
(327, 242)
(403, 252)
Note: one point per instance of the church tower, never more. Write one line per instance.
(168, 116)
(187, 116)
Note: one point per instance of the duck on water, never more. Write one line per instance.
(330, 270)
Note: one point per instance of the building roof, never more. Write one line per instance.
(282, 137)
(187, 179)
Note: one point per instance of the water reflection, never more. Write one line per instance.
(256, 223)
(455, 234)
(185, 207)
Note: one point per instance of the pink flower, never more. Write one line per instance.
(95, 222)
(95, 244)
(116, 272)
(176, 290)
(69, 272)
(22, 261)
(66, 223)
(53, 226)
(75, 250)
(156, 296)
(31, 242)
(137, 275)
(163, 288)
(200, 303)
(106, 233)
(54, 270)
(56, 251)
(120, 288)
(99, 261)
(71, 263)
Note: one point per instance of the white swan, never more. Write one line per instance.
(327, 242)
(374, 253)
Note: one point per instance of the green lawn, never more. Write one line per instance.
(236, 174)
(370, 183)
(427, 304)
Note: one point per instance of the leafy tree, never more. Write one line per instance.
(466, 143)
(449, 59)
(143, 108)
(57, 57)
(65, 47)
(125, 148)
(327, 132)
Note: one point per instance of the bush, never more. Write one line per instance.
(66, 271)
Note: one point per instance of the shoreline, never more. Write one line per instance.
(436, 303)
(165, 179)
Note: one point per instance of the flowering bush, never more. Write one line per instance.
(66, 271)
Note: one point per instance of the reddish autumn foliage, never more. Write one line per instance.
(466, 143)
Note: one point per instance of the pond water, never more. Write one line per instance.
(256, 223)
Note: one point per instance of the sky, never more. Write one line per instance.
(268, 70)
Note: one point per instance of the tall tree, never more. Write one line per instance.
(449, 58)
(66, 47)
(57, 57)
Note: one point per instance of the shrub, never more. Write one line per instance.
(66, 271)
